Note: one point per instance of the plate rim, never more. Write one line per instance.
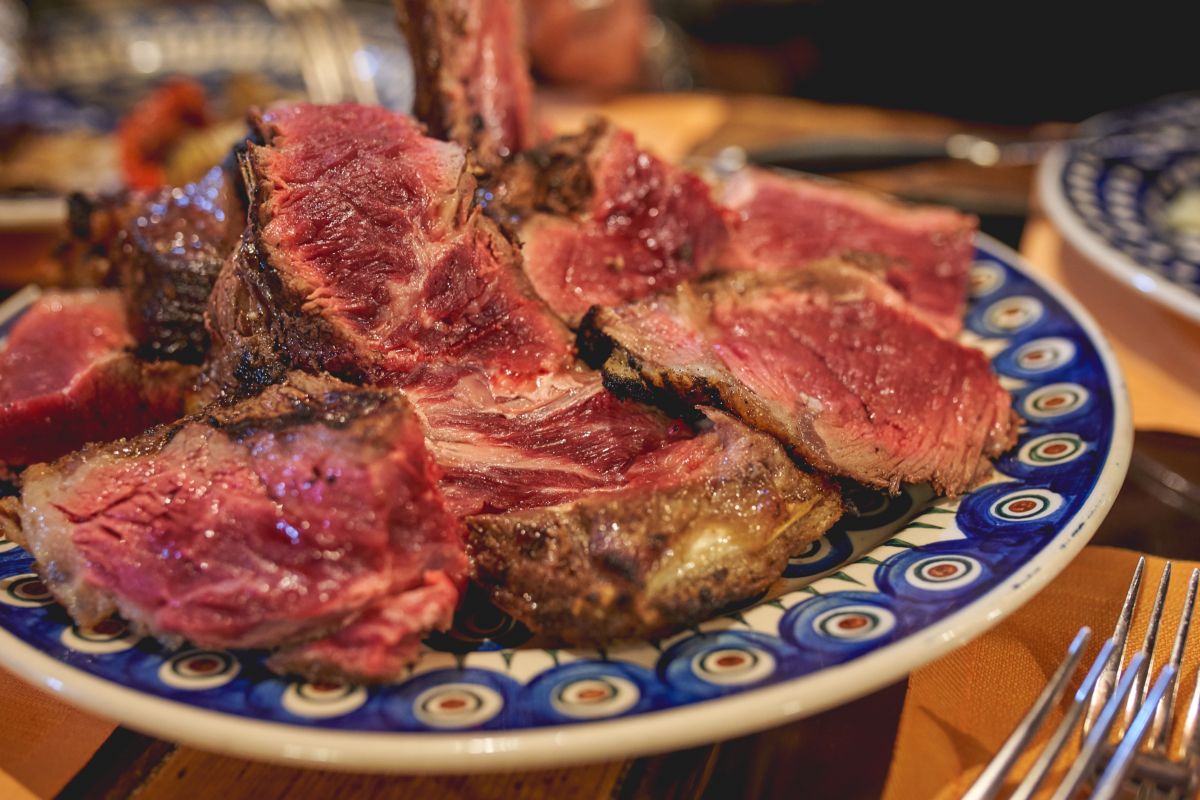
(1097, 250)
(646, 734)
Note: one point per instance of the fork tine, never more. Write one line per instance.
(990, 781)
(1164, 714)
(1112, 670)
(1122, 761)
(1058, 739)
(1190, 746)
(1141, 681)
(1090, 751)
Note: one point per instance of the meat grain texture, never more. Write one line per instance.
(306, 519)
(68, 377)
(829, 360)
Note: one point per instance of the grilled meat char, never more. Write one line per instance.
(364, 258)
(784, 223)
(302, 519)
(353, 217)
(698, 526)
(830, 360)
(68, 377)
(163, 249)
(472, 74)
(603, 222)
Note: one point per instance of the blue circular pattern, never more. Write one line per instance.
(1123, 197)
(889, 569)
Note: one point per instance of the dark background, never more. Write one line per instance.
(1014, 63)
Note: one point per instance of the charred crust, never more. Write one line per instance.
(603, 569)
(594, 345)
(337, 410)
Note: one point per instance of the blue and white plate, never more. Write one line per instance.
(900, 583)
(1124, 210)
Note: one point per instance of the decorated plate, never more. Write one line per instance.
(1128, 198)
(901, 582)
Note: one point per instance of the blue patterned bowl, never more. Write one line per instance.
(1113, 208)
(903, 581)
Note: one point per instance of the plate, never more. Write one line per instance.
(1115, 207)
(900, 583)
(99, 60)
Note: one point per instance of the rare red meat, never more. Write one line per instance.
(783, 223)
(603, 222)
(828, 359)
(68, 377)
(304, 517)
(545, 446)
(365, 259)
(472, 74)
(368, 261)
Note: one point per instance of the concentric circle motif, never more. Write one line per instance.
(457, 705)
(731, 666)
(323, 700)
(24, 591)
(1043, 355)
(1054, 400)
(817, 550)
(109, 636)
(1053, 448)
(984, 278)
(595, 698)
(858, 622)
(1026, 505)
(944, 572)
(1013, 314)
(197, 670)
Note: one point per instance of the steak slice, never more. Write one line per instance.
(700, 525)
(567, 437)
(308, 517)
(68, 377)
(603, 222)
(787, 222)
(364, 258)
(472, 74)
(831, 361)
(163, 249)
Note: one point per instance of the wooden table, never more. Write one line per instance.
(843, 753)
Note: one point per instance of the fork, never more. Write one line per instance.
(329, 42)
(1108, 690)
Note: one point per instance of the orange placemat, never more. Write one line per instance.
(961, 708)
(43, 741)
(1159, 351)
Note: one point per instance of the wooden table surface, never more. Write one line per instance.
(842, 753)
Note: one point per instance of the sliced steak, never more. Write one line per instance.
(68, 377)
(603, 222)
(567, 437)
(365, 258)
(163, 249)
(303, 517)
(786, 222)
(472, 74)
(699, 526)
(830, 360)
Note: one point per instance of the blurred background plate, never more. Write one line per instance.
(83, 66)
(1135, 216)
